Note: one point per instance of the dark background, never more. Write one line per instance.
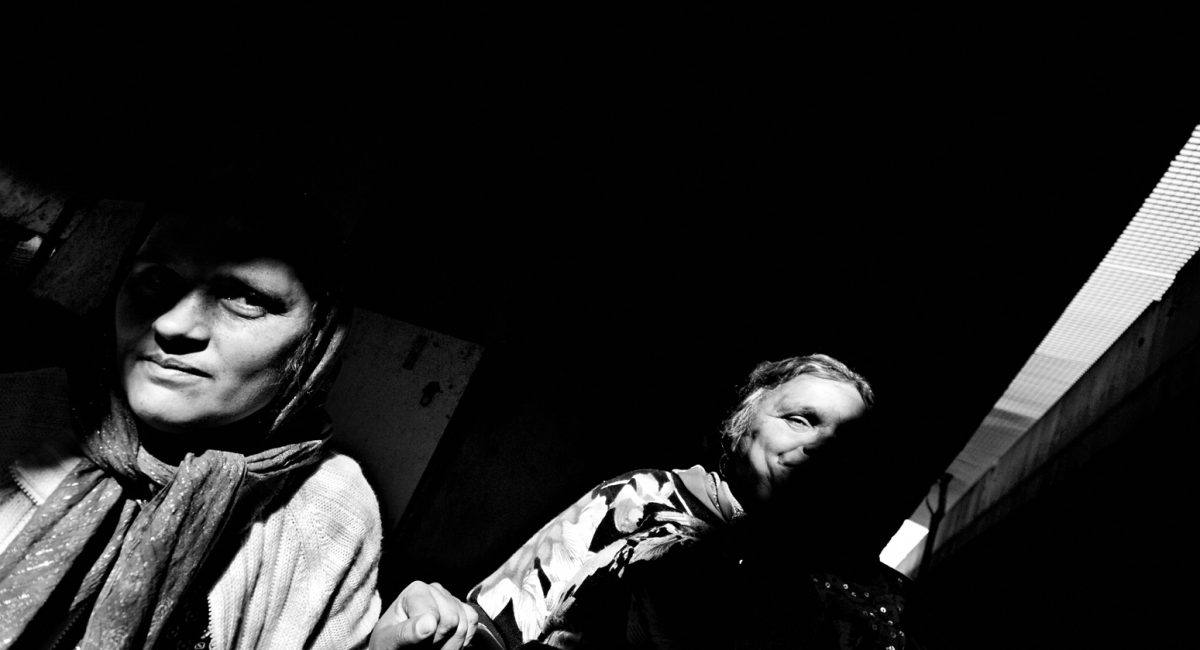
(630, 211)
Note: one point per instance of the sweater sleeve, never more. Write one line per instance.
(350, 548)
(305, 576)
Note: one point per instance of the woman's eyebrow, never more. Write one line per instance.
(234, 280)
(267, 280)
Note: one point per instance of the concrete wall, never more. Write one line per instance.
(1130, 379)
(1078, 535)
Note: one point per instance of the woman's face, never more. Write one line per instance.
(204, 324)
(789, 424)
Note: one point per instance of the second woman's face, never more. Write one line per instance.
(790, 423)
(203, 332)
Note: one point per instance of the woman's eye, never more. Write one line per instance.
(155, 281)
(243, 299)
(247, 303)
(799, 420)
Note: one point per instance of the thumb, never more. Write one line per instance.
(418, 629)
(425, 625)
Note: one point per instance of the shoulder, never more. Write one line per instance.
(305, 571)
(641, 503)
(334, 503)
(639, 483)
(657, 488)
(338, 474)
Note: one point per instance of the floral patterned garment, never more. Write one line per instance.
(575, 561)
(647, 560)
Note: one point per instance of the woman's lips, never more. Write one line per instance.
(799, 456)
(172, 364)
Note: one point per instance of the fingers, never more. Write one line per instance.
(457, 620)
(472, 618)
(411, 619)
(467, 620)
(426, 615)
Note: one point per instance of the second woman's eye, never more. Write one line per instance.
(799, 420)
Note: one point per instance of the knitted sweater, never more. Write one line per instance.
(304, 575)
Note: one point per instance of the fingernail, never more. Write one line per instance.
(426, 626)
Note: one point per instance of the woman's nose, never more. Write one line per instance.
(184, 324)
(823, 438)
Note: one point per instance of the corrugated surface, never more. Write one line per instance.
(1159, 240)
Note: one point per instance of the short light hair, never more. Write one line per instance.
(770, 375)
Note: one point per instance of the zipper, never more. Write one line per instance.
(212, 641)
(23, 520)
(12, 473)
(72, 618)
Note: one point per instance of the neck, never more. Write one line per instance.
(245, 437)
(744, 488)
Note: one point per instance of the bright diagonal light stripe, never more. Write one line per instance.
(1139, 268)
(910, 534)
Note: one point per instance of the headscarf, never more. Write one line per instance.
(124, 537)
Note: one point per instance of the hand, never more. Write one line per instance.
(425, 615)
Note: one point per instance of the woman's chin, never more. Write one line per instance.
(173, 424)
(169, 416)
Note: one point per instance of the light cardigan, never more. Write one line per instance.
(304, 575)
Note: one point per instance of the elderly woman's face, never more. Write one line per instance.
(789, 424)
(204, 325)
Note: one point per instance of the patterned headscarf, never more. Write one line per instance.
(124, 537)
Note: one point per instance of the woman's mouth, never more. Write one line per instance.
(169, 363)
